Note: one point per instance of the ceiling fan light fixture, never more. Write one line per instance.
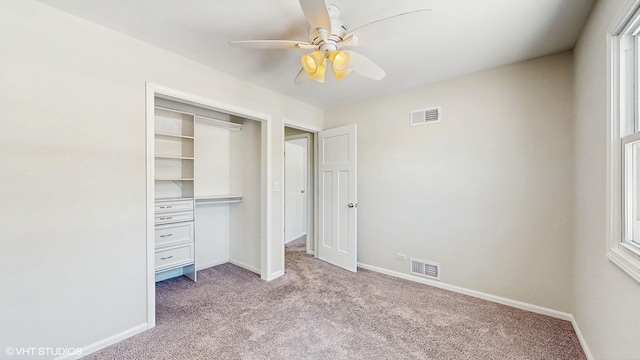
(319, 74)
(328, 34)
(314, 65)
(341, 74)
(311, 62)
(340, 60)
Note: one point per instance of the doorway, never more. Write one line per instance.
(332, 200)
(295, 189)
(298, 188)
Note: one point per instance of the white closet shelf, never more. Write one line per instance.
(218, 199)
(173, 179)
(206, 120)
(172, 198)
(218, 123)
(173, 136)
(174, 157)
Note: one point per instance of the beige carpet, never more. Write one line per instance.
(317, 311)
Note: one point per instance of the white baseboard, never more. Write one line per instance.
(99, 345)
(295, 238)
(245, 266)
(275, 275)
(211, 264)
(583, 342)
(168, 274)
(497, 299)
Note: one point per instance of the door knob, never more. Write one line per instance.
(352, 205)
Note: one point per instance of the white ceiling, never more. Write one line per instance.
(461, 37)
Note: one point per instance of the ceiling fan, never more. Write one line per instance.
(328, 35)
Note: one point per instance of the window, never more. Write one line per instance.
(623, 193)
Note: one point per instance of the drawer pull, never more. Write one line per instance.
(166, 235)
(166, 218)
(166, 207)
(165, 258)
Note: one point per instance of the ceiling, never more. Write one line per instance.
(460, 37)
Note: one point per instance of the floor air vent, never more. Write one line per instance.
(425, 116)
(425, 268)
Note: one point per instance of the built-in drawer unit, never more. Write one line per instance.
(162, 206)
(174, 256)
(174, 233)
(173, 217)
(169, 211)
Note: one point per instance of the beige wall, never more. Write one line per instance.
(606, 300)
(487, 193)
(72, 114)
(291, 131)
(244, 244)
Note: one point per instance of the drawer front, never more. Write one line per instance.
(174, 233)
(175, 205)
(174, 256)
(173, 217)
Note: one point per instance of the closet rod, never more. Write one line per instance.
(173, 110)
(223, 199)
(204, 202)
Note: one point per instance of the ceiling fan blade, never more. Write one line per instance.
(317, 13)
(350, 40)
(301, 77)
(393, 25)
(365, 67)
(272, 44)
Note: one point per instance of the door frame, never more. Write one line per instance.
(310, 249)
(153, 91)
(312, 236)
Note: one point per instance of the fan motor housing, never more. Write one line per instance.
(338, 31)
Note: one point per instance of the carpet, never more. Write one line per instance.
(318, 311)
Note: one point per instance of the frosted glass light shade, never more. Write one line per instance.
(319, 74)
(340, 60)
(311, 61)
(341, 74)
(314, 65)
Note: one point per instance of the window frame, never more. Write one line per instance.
(620, 251)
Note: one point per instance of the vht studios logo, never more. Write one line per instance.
(42, 351)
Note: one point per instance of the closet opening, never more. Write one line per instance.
(207, 198)
(299, 188)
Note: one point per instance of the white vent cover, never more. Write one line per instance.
(425, 268)
(426, 116)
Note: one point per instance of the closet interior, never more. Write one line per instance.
(207, 189)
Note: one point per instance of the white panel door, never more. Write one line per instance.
(337, 231)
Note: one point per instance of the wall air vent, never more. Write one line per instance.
(426, 116)
(424, 268)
